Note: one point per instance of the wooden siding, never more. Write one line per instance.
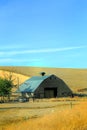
(53, 82)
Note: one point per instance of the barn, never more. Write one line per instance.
(44, 86)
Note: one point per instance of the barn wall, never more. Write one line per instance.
(53, 82)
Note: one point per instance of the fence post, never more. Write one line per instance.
(71, 105)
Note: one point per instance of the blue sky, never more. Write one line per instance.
(45, 33)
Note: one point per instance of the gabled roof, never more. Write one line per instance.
(32, 84)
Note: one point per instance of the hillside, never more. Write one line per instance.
(17, 78)
(75, 78)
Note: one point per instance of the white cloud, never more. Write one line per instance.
(47, 50)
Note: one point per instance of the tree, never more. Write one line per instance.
(9, 81)
(5, 88)
(9, 75)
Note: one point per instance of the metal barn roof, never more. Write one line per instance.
(32, 84)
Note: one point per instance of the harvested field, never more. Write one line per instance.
(76, 79)
(17, 113)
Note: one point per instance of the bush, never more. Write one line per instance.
(5, 88)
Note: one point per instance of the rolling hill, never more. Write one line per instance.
(76, 79)
(17, 78)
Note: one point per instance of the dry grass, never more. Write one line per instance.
(75, 78)
(70, 119)
(17, 78)
(52, 117)
(67, 118)
(10, 112)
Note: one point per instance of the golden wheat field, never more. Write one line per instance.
(15, 76)
(52, 114)
(46, 114)
(75, 78)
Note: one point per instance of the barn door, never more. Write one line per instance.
(50, 92)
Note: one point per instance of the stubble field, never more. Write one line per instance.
(47, 114)
(52, 114)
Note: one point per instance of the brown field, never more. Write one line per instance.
(17, 78)
(51, 114)
(75, 78)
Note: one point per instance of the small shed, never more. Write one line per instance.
(45, 86)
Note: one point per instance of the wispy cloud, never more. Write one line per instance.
(12, 46)
(47, 50)
(9, 60)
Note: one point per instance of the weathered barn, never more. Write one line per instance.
(45, 87)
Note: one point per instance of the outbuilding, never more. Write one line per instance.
(45, 86)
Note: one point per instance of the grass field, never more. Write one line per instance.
(75, 78)
(17, 78)
(53, 114)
